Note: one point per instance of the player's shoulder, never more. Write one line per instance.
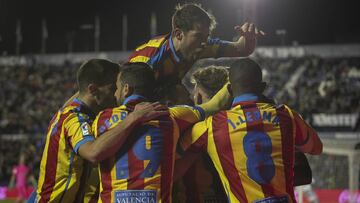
(67, 113)
(148, 52)
(112, 112)
(174, 110)
(155, 42)
(283, 108)
(75, 112)
(109, 118)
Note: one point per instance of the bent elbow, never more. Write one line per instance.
(92, 156)
(96, 158)
(93, 160)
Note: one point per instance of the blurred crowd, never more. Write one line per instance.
(30, 95)
(313, 85)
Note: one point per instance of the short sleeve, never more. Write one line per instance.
(78, 130)
(306, 138)
(186, 116)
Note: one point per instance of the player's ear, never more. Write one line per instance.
(127, 90)
(92, 89)
(178, 33)
(198, 98)
(229, 88)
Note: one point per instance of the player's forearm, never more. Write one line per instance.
(220, 101)
(241, 48)
(111, 141)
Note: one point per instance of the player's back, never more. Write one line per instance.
(142, 170)
(252, 147)
(62, 172)
(160, 54)
(157, 54)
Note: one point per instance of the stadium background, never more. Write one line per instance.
(310, 56)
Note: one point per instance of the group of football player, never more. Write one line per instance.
(131, 133)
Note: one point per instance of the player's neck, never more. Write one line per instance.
(90, 102)
(175, 43)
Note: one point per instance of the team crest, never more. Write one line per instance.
(85, 129)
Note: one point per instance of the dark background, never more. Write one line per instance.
(305, 21)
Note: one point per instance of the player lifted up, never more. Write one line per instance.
(172, 55)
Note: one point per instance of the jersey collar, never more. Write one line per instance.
(78, 101)
(248, 97)
(134, 99)
(84, 108)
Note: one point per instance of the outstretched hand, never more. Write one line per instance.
(249, 31)
(246, 44)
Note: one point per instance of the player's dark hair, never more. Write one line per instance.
(245, 76)
(139, 76)
(96, 71)
(189, 14)
(211, 79)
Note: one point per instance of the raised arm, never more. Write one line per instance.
(220, 101)
(246, 44)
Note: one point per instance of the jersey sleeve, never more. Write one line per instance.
(148, 52)
(306, 138)
(185, 116)
(78, 130)
(195, 139)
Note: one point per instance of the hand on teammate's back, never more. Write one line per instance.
(147, 111)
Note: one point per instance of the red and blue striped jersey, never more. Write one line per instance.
(167, 64)
(142, 170)
(63, 173)
(252, 148)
